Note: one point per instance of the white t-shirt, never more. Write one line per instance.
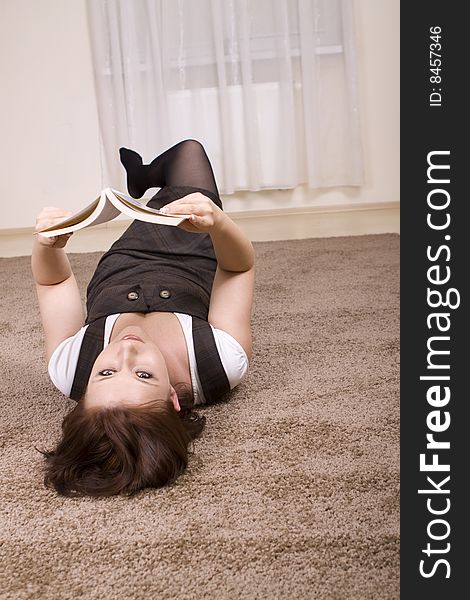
(63, 362)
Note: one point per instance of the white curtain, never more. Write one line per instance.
(267, 86)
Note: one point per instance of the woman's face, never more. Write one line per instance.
(131, 370)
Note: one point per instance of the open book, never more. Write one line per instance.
(108, 206)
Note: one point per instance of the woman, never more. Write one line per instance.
(167, 328)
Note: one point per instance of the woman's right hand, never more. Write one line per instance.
(205, 215)
(50, 215)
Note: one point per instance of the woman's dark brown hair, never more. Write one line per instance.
(120, 450)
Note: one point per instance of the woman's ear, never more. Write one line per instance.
(174, 398)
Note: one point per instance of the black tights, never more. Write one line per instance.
(184, 164)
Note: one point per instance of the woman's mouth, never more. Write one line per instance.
(132, 337)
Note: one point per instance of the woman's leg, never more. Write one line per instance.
(184, 164)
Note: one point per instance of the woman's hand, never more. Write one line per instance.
(50, 215)
(205, 214)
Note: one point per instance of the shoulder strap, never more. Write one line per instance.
(92, 345)
(214, 381)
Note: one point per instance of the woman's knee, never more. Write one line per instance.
(192, 148)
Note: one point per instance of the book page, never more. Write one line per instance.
(137, 210)
(75, 218)
(99, 211)
(132, 203)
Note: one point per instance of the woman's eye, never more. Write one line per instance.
(106, 372)
(144, 375)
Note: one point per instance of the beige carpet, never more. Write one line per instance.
(293, 491)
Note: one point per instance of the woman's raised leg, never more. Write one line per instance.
(184, 164)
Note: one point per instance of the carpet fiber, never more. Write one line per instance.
(292, 491)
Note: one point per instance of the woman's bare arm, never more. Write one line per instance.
(59, 298)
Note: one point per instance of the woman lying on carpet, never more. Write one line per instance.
(167, 328)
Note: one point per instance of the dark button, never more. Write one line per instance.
(165, 294)
(132, 296)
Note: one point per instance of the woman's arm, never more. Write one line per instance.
(59, 298)
(232, 290)
(233, 249)
(231, 304)
(50, 265)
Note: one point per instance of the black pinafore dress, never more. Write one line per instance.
(156, 268)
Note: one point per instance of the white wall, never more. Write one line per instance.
(50, 143)
(49, 153)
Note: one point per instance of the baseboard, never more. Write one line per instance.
(259, 226)
(320, 221)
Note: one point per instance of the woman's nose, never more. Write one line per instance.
(127, 349)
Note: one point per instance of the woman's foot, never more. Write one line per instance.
(137, 173)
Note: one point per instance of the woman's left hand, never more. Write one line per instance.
(49, 216)
(204, 213)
